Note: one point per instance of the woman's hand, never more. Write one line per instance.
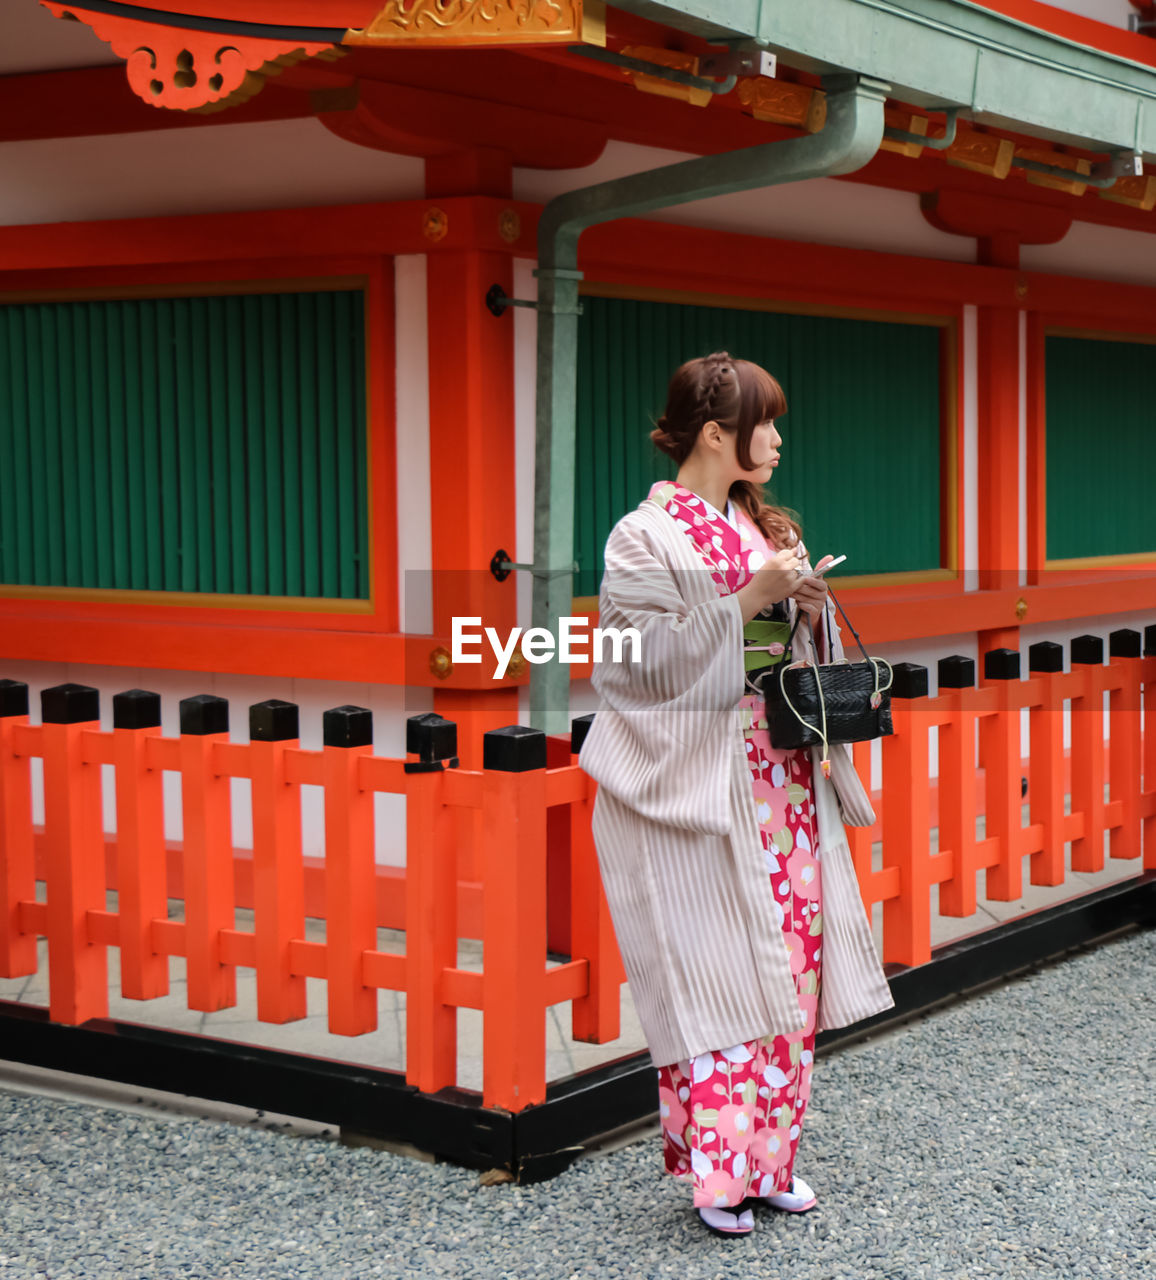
(810, 591)
(776, 580)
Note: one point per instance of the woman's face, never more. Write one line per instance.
(765, 443)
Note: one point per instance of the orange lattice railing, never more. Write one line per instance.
(910, 804)
(512, 795)
(523, 812)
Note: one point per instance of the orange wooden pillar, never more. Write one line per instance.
(350, 890)
(1124, 743)
(208, 853)
(957, 894)
(1046, 767)
(471, 407)
(17, 864)
(1087, 757)
(142, 894)
(1148, 750)
(74, 855)
(278, 870)
(431, 923)
(999, 741)
(514, 918)
(559, 819)
(998, 392)
(907, 825)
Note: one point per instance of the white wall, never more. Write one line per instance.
(822, 210)
(206, 169)
(414, 552)
(1097, 252)
(1113, 12)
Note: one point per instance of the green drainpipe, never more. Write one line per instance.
(849, 139)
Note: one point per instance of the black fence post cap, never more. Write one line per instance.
(1046, 655)
(515, 748)
(1088, 651)
(204, 713)
(580, 726)
(1124, 643)
(13, 698)
(908, 680)
(956, 672)
(347, 726)
(69, 704)
(431, 737)
(274, 721)
(1001, 664)
(1150, 640)
(136, 709)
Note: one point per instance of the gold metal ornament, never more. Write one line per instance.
(450, 23)
(1021, 608)
(440, 662)
(435, 223)
(509, 225)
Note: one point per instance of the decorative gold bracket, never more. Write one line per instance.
(448, 23)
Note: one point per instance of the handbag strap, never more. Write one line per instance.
(821, 728)
(879, 690)
(799, 613)
(847, 621)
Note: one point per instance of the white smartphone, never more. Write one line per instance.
(837, 561)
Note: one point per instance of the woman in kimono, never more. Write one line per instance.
(725, 863)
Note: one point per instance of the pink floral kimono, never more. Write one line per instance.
(731, 1118)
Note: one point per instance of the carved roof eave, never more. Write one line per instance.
(189, 68)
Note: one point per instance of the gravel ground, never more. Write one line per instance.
(1011, 1135)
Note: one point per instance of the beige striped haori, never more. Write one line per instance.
(675, 825)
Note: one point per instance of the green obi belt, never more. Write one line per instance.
(764, 643)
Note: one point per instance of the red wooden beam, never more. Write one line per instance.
(284, 234)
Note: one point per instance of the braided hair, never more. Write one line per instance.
(738, 395)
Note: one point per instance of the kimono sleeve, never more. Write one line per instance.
(690, 653)
(663, 736)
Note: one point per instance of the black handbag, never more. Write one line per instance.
(832, 702)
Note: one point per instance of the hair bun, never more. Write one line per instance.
(662, 439)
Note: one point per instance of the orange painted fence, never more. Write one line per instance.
(1065, 788)
(513, 809)
(511, 794)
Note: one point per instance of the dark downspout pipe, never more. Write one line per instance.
(849, 139)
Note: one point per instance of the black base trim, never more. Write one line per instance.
(541, 1141)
